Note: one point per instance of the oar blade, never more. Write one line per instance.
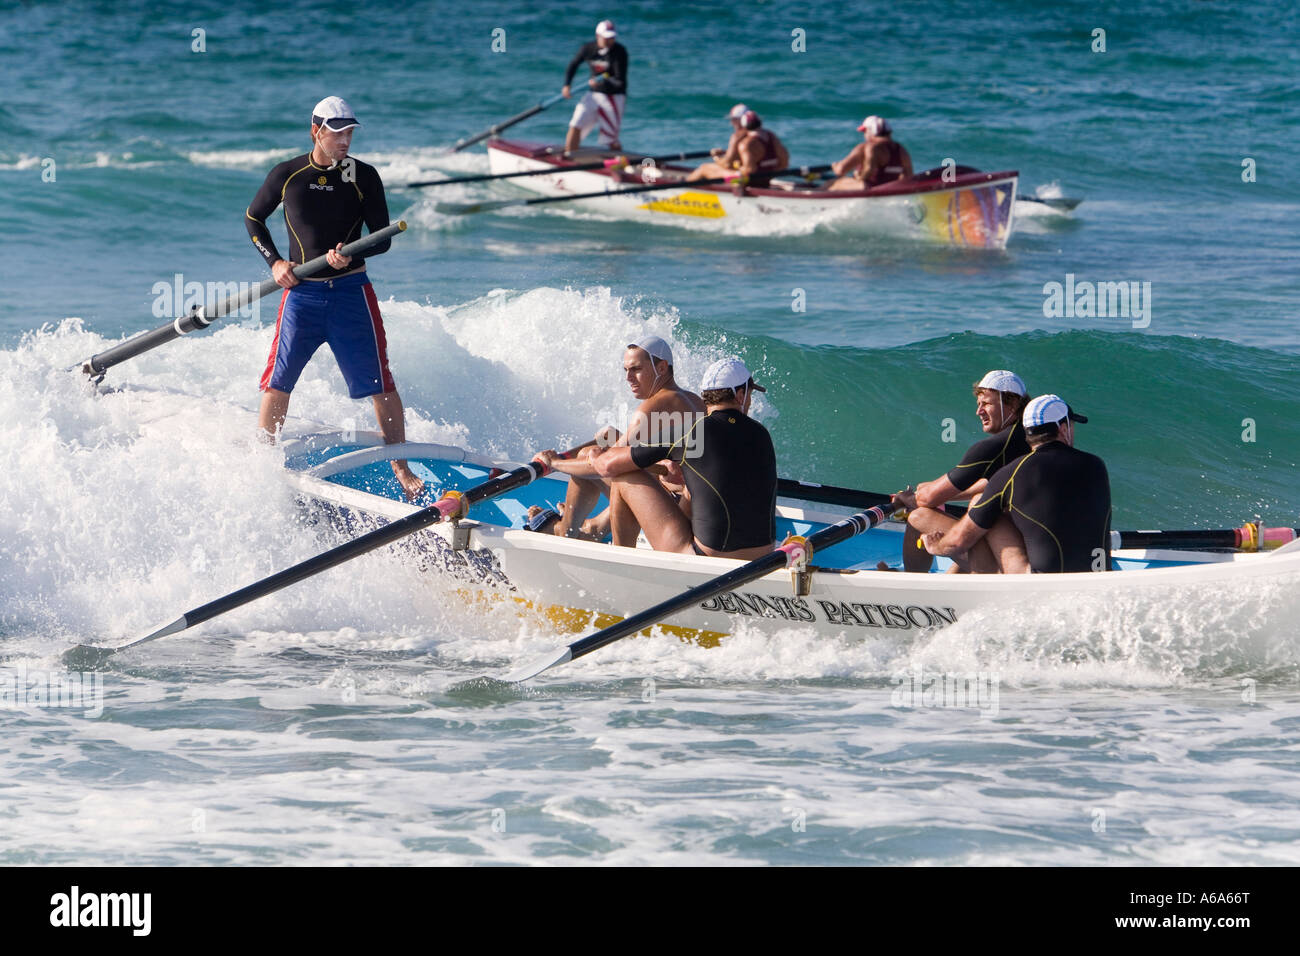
(1059, 203)
(87, 657)
(92, 656)
(536, 666)
(465, 209)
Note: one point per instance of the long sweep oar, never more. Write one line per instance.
(458, 209)
(1249, 537)
(795, 551)
(619, 161)
(453, 504)
(517, 118)
(200, 318)
(1060, 203)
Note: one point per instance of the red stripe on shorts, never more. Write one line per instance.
(275, 346)
(381, 343)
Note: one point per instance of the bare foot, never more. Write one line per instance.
(552, 523)
(412, 486)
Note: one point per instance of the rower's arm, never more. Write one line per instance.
(732, 154)
(849, 163)
(933, 494)
(615, 461)
(577, 61)
(255, 216)
(958, 539)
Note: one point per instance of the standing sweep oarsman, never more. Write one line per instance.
(607, 88)
(327, 197)
(1000, 398)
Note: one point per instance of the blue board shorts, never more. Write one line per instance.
(342, 312)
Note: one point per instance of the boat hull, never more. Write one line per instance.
(974, 209)
(581, 584)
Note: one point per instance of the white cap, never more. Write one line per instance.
(1048, 410)
(655, 347)
(605, 28)
(728, 373)
(1000, 380)
(334, 113)
(737, 112)
(875, 125)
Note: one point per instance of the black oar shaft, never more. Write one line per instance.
(505, 124)
(552, 170)
(675, 184)
(202, 318)
(389, 533)
(829, 494)
(1210, 539)
(819, 541)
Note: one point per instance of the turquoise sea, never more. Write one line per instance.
(322, 725)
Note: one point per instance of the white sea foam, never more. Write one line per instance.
(328, 723)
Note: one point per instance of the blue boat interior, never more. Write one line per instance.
(860, 552)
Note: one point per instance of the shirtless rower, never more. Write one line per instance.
(1000, 398)
(665, 412)
(758, 152)
(1056, 497)
(726, 158)
(875, 161)
(729, 465)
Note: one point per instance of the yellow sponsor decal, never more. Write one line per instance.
(321, 180)
(576, 620)
(689, 204)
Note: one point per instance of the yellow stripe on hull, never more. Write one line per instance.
(572, 620)
(706, 205)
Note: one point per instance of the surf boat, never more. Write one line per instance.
(346, 480)
(955, 205)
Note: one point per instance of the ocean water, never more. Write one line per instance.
(331, 722)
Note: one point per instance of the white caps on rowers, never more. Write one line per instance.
(334, 113)
(729, 372)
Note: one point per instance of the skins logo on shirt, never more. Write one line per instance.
(320, 184)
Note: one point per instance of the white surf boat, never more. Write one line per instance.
(583, 584)
(956, 205)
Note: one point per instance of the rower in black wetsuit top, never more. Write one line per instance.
(1000, 398)
(1056, 497)
(729, 466)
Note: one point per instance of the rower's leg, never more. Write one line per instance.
(270, 418)
(922, 521)
(572, 139)
(1007, 547)
(654, 510)
(579, 499)
(391, 417)
(707, 171)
